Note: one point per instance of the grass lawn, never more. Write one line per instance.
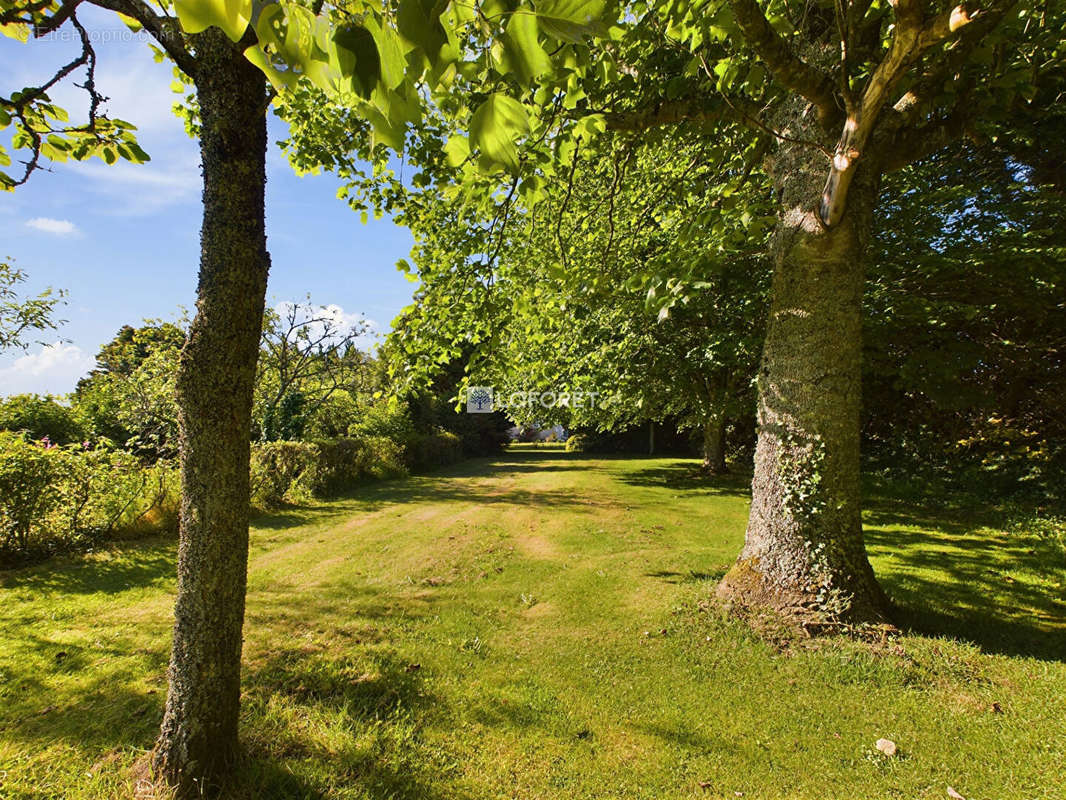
(534, 626)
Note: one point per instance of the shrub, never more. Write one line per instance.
(283, 472)
(345, 462)
(54, 498)
(429, 450)
(576, 443)
(29, 478)
(332, 417)
(381, 420)
(39, 417)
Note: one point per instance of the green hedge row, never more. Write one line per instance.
(60, 497)
(55, 498)
(293, 472)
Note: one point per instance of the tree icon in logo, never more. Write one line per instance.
(479, 400)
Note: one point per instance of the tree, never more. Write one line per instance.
(593, 329)
(42, 418)
(833, 97)
(308, 353)
(129, 395)
(19, 316)
(897, 95)
(375, 60)
(198, 739)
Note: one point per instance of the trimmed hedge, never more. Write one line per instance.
(56, 498)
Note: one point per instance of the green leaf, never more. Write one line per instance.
(527, 58)
(384, 130)
(495, 128)
(279, 79)
(419, 22)
(357, 58)
(571, 20)
(289, 31)
(232, 16)
(457, 150)
(390, 52)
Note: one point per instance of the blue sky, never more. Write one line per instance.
(123, 240)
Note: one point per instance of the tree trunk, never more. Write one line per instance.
(803, 552)
(198, 739)
(714, 444)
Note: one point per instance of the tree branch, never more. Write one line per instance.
(912, 36)
(919, 143)
(789, 69)
(163, 29)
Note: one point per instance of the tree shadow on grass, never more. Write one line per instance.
(367, 708)
(436, 492)
(116, 568)
(686, 476)
(106, 714)
(956, 580)
(715, 574)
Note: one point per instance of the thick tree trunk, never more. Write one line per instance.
(714, 444)
(198, 739)
(804, 553)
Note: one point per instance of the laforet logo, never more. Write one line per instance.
(479, 400)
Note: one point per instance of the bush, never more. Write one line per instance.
(29, 480)
(42, 417)
(345, 462)
(55, 498)
(283, 472)
(429, 450)
(576, 443)
(333, 417)
(381, 420)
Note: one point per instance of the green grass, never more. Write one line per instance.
(536, 627)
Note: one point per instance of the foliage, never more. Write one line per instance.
(426, 451)
(965, 328)
(129, 396)
(42, 417)
(334, 416)
(286, 419)
(54, 498)
(20, 316)
(384, 419)
(28, 489)
(283, 472)
(348, 461)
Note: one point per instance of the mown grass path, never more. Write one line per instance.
(535, 626)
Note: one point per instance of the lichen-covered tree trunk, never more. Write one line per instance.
(714, 443)
(803, 552)
(198, 739)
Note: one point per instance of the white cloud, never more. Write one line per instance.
(340, 320)
(54, 369)
(56, 227)
(135, 190)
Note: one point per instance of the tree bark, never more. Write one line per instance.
(714, 444)
(198, 739)
(803, 552)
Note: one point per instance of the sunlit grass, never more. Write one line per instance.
(535, 627)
